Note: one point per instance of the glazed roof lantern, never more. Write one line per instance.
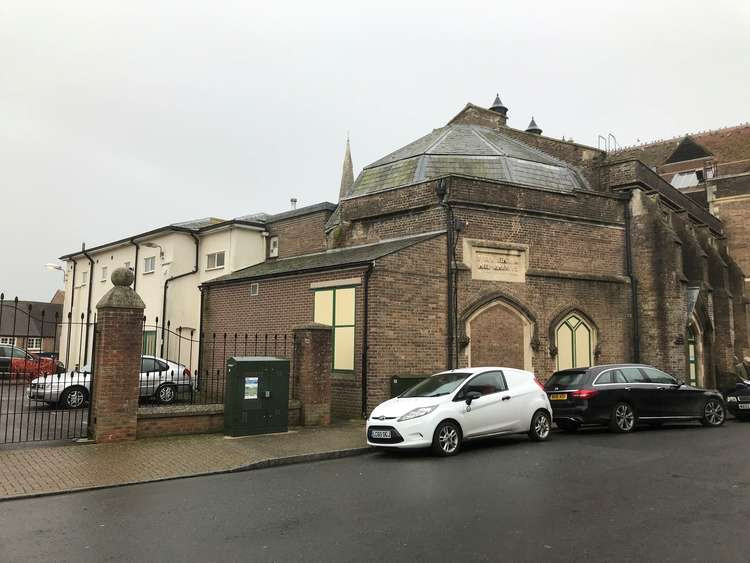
(533, 127)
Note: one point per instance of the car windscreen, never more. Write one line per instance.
(566, 379)
(440, 384)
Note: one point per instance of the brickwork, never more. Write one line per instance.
(312, 373)
(497, 338)
(150, 427)
(735, 214)
(280, 306)
(116, 374)
(300, 235)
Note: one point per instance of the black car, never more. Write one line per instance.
(622, 395)
(738, 400)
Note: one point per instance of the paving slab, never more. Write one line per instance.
(48, 470)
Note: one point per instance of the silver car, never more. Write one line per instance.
(160, 379)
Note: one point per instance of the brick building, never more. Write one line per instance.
(480, 244)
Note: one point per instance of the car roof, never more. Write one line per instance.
(602, 367)
(475, 370)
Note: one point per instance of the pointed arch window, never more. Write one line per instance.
(575, 343)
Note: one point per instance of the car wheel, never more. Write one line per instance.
(166, 394)
(447, 439)
(74, 398)
(567, 425)
(541, 424)
(714, 413)
(623, 418)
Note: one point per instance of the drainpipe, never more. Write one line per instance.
(442, 193)
(135, 266)
(88, 303)
(366, 290)
(166, 285)
(70, 313)
(636, 336)
(200, 335)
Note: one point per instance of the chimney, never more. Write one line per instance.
(498, 107)
(533, 128)
(294, 202)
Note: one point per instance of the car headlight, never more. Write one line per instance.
(731, 399)
(416, 413)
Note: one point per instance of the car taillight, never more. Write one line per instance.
(186, 372)
(583, 393)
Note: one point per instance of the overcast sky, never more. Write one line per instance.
(119, 117)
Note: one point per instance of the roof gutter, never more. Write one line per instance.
(170, 279)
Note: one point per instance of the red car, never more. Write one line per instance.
(15, 362)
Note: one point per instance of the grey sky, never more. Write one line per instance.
(118, 117)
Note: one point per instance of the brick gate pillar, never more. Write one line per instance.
(117, 361)
(312, 372)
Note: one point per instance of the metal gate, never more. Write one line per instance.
(45, 373)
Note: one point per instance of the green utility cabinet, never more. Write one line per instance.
(256, 399)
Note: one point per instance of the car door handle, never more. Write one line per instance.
(661, 389)
(627, 388)
(506, 398)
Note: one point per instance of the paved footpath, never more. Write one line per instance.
(48, 470)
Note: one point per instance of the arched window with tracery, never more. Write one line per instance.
(575, 343)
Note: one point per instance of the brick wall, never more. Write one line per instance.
(300, 235)
(281, 305)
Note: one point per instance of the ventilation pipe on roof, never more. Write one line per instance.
(293, 201)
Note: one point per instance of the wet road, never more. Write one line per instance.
(674, 494)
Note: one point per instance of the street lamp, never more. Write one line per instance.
(53, 266)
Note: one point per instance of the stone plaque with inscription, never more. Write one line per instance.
(498, 264)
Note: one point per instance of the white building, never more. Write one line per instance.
(169, 264)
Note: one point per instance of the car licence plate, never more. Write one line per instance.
(558, 396)
(382, 434)
(744, 406)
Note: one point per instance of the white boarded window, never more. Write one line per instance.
(84, 278)
(336, 308)
(273, 247)
(104, 273)
(215, 260)
(574, 343)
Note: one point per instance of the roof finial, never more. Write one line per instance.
(533, 127)
(347, 171)
(498, 106)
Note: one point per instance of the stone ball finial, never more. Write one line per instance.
(123, 277)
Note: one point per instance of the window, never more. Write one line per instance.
(609, 377)
(485, 384)
(33, 343)
(104, 273)
(149, 365)
(566, 379)
(273, 247)
(149, 342)
(574, 343)
(7, 340)
(84, 278)
(149, 265)
(437, 385)
(335, 307)
(634, 375)
(215, 261)
(660, 377)
(254, 288)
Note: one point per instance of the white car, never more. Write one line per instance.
(160, 379)
(452, 406)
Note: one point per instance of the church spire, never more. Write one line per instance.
(347, 172)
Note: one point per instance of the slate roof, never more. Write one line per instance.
(468, 150)
(731, 144)
(28, 322)
(328, 260)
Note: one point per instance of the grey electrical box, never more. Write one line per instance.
(256, 399)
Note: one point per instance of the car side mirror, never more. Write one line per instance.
(471, 395)
(680, 383)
